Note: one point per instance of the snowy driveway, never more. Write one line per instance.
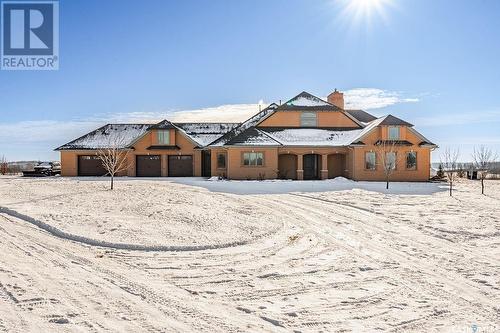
(344, 261)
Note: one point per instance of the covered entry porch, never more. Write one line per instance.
(307, 164)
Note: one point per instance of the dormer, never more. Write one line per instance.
(163, 134)
(308, 111)
(394, 129)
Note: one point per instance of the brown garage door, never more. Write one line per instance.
(148, 166)
(180, 166)
(90, 165)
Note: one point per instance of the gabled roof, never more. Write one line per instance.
(247, 133)
(307, 101)
(205, 133)
(164, 124)
(108, 136)
(252, 122)
(253, 137)
(126, 135)
(391, 120)
(361, 115)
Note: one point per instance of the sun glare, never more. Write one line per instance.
(364, 11)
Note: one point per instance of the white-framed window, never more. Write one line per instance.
(253, 159)
(411, 160)
(390, 160)
(370, 160)
(163, 137)
(308, 119)
(394, 133)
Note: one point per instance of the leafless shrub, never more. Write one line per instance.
(449, 160)
(4, 165)
(484, 159)
(389, 158)
(461, 173)
(114, 156)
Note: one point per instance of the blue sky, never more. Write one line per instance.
(432, 63)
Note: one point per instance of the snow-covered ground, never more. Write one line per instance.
(331, 256)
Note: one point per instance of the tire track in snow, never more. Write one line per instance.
(170, 299)
(472, 292)
(367, 213)
(124, 246)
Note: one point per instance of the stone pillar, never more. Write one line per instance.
(324, 166)
(300, 167)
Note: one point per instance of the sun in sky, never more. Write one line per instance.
(363, 12)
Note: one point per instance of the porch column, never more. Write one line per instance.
(164, 163)
(300, 167)
(324, 166)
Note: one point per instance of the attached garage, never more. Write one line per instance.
(180, 166)
(90, 165)
(148, 166)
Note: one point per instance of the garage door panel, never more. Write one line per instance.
(148, 165)
(180, 166)
(90, 165)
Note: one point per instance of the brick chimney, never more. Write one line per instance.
(336, 98)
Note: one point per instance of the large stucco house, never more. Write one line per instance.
(304, 138)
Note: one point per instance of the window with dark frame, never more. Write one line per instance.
(221, 161)
(411, 160)
(253, 159)
(370, 160)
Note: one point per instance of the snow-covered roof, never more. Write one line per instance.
(307, 101)
(253, 121)
(253, 137)
(249, 133)
(311, 136)
(205, 133)
(111, 135)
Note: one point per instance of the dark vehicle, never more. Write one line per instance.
(44, 169)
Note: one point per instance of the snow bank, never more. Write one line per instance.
(138, 211)
(124, 246)
(245, 187)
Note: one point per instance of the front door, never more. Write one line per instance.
(206, 163)
(311, 166)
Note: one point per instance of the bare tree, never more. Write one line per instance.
(389, 158)
(449, 160)
(114, 156)
(484, 159)
(4, 165)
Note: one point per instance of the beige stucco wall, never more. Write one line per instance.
(325, 119)
(69, 159)
(350, 162)
(215, 170)
(357, 161)
(287, 165)
(236, 169)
